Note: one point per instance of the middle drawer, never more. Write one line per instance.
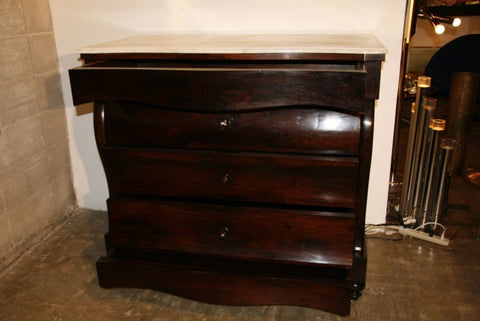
(239, 177)
(293, 129)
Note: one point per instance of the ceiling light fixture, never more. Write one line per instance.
(456, 22)
(437, 22)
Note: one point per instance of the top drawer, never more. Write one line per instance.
(221, 89)
(288, 130)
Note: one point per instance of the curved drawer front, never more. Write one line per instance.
(242, 177)
(290, 130)
(221, 89)
(240, 232)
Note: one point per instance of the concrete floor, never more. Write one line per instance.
(406, 280)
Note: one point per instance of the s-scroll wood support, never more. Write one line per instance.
(366, 141)
(359, 273)
(99, 129)
(99, 124)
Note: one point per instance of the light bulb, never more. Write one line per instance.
(456, 22)
(439, 29)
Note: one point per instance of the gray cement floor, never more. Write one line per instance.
(406, 280)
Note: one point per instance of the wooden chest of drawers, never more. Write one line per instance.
(235, 176)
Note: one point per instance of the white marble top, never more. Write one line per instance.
(231, 44)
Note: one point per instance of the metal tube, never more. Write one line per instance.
(436, 126)
(423, 84)
(428, 105)
(405, 195)
(446, 148)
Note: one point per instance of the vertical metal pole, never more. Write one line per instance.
(419, 164)
(405, 195)
(446, 148)
(410, 166)
(436, 126)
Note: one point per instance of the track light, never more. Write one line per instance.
(439, 29)
(437, 22)
(455, 22)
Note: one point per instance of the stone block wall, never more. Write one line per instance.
(36, 190)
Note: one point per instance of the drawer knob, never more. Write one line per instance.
(225, 179)
(224, 233)
(224, 123)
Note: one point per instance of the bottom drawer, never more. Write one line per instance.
(283, 235)
(225, 286)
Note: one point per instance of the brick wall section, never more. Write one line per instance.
(36, 191)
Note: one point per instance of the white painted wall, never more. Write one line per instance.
(81, 23)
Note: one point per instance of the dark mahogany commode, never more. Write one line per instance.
(237, 175)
